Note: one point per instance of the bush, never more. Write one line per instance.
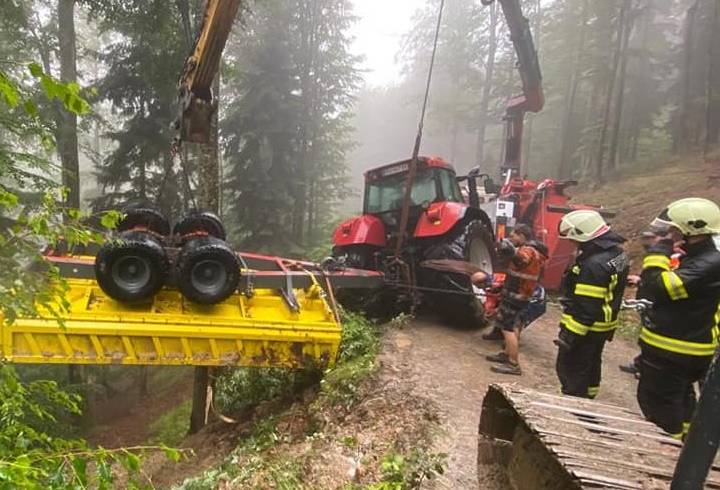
(172, 427)
(409, 472)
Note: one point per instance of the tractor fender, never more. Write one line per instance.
(361, 230)
(441, 217)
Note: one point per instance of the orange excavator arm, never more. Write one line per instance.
(195, 97)
(532, 99)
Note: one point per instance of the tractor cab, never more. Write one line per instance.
(434, 182)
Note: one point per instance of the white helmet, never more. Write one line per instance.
(692, 216)
(582, 225)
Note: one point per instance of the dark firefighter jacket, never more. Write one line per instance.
(686, 301)
(593, 286)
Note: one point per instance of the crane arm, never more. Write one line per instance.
(195, 97)
(532, 99)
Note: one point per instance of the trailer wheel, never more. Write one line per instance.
(132, 268)
(143, 215)
(461, 305)
(208, 270)
(200, 222)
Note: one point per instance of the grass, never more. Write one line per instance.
(406, 471)
(248, 463)
(172, 427)
(358, 349)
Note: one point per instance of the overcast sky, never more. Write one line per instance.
(378, 34)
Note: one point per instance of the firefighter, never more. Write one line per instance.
(592, 289)
(647, 240)
(679, 334)
(525, 261)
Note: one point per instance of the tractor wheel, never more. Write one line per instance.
(145, 216)
(460, 305)
(208, 271)
(199, 222)
(132, 268)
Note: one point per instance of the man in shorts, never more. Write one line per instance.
(525, 261)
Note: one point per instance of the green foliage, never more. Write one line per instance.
(243, 388)
(247, 460)
(31, 215)
(247, 387)
(172, 427)
(32, 454)
(358, 349)
(406, 472)
(32, 458)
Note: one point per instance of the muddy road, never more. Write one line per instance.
(448, 366)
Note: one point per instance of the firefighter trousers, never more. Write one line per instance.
(666, 390)
(579, 363)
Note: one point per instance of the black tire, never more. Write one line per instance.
(144, 216)
(460, 309)
(132, 268)
(199, 222)
(208, 270)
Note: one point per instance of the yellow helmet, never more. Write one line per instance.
(582, 225)
(692, 216)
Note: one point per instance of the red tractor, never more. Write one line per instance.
(440, 225)
(444, 224)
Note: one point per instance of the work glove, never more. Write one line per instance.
(506, 248)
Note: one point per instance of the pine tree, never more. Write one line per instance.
(287, 131)
(148, 50)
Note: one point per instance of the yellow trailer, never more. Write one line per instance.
(258, 329)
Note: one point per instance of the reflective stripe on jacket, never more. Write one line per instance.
(593, 289)
(524, 271)
(685, 316)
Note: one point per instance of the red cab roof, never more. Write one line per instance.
(402, 166)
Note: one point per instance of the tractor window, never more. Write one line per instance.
(387, 194)
(450, 188)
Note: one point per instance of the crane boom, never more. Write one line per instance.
(532, 99)
(195, 97)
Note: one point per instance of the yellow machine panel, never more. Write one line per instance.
(257, 331)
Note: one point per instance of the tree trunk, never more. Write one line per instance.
(67, 122)
(600, 163)
(620, 95)
(143, 382)
(565, 171)
(208, 187)
(487, 86)
(199, 400)
(681, 141)
(712, 124)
